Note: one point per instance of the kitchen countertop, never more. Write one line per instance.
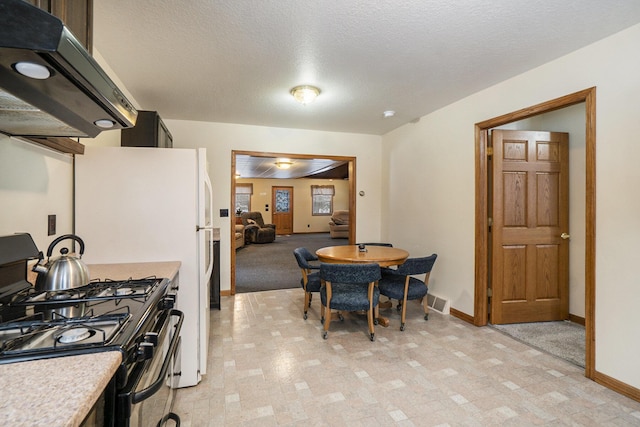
(54, 392)
(61, 391)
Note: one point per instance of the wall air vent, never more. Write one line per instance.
(438, 304)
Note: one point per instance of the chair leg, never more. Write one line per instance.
(372, 331)
(372, 310)
(307, 303)
(322, 311)
(404, 312)
(327, 322)
(426, 308)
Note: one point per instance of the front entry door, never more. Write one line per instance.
(282, 202)
(530, 226)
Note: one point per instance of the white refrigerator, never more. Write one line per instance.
(138, 204)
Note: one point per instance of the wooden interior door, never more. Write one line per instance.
(282, 203)
(530, 226)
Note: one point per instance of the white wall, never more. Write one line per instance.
(221, 138)
(431, 185)
(35, 182)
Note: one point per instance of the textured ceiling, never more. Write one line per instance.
(234, 61)
(266, 167)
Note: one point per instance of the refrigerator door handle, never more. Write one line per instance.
(208, 188)
(210, 269)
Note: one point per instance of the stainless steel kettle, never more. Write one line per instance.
(63, 272)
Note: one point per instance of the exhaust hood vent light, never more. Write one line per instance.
(35, 71)
(104, 123)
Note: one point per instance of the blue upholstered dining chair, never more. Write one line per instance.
(349, 287)
(310, 280)
(399, 284)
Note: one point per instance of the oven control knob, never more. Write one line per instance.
(145, 351)
(151, 337)
(169, 301)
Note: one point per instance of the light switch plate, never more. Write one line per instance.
(51, 225)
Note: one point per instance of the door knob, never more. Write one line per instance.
(564, 236)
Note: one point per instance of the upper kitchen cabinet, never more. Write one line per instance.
(149, 131)
(77, 15)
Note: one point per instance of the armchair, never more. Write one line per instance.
(401, 285)
(255, 230)
(239, 236)
(349, 287)
(310, 281)
(339, 225)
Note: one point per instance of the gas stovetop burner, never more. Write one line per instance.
(31, 334)
(124, 291)
(95, 291)
(75, 334)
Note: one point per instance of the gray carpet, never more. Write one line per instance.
(562, 339)
(270, 266)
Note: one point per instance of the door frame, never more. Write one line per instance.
(480, 315)
(352, 195)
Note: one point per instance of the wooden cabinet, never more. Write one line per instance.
(77, 15)
(149, 131)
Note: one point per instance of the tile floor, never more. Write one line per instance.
(269, 367)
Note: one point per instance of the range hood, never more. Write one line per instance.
(68, 95)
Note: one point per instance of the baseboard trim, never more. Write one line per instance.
(460, 315)
(576, 319)
(310, 232)
(617, 386)
(226, 293)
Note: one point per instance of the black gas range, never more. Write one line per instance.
(101, 316)
(135, 317)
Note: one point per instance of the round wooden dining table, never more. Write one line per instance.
(384, 256)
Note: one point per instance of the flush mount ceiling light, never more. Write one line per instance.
(284, 163)
(305, 94)
(389, 113)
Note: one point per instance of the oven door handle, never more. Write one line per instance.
(155, 386)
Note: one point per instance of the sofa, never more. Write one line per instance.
(239, 237)
(339, 225)
(255, 230)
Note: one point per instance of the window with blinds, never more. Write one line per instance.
(322, 199)
(243, 197)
